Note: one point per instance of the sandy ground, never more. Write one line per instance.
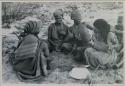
(60, 67)
(61, 64)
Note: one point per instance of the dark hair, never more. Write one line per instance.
(32, 27)
(103, 27)
(58, 12)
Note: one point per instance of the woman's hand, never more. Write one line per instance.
(100, 46)
(91, 43)
(79, 48)
(77, 36)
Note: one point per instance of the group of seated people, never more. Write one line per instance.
(31, 57)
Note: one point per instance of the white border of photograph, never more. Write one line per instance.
(4, 84)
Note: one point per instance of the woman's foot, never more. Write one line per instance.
(45, 71)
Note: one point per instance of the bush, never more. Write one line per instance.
(17, 11)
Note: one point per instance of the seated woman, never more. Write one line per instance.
(102, 53)
(57, 32)
(31, 55)
(79, 37)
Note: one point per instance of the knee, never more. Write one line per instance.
(66, 46)
(88, 52)
(45, 44)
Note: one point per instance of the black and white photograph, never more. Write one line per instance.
(62, 42)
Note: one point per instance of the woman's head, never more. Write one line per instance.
(58, 15)
(32, 27)
(102, 26)
(76, 16)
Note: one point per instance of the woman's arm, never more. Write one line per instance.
(112, 41)
(100, 46)
(50, 35)
(69, 35)
(119, 31)
(45, 49)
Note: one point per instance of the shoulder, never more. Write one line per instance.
(87, 25)
(51, 25)
(65, 25)
(111, 34)
(50, 28)
(71, 27)
(83, 28)
(31, 37)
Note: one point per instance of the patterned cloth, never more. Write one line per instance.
(27, 48)
(97, 58)
(103, 52)
(30, 61)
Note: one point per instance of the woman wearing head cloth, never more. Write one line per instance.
(30, 60)
(81, 37)
(102, 54)
(57, 32)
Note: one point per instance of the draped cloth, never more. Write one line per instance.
(27, 48)
(99, 55)
(97, 58)
(30, 58)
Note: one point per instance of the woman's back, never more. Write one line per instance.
(27, 47)
(30, 62)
